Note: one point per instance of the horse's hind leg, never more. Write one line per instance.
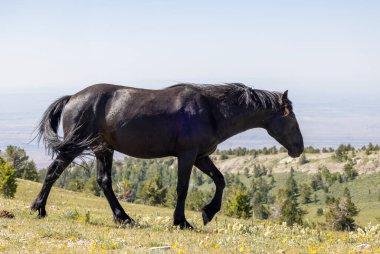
(207, 166)
(54, 171)
(104, 167)
(185, 164)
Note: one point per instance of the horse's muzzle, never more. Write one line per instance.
(296, 151)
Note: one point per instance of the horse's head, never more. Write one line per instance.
(283, 127)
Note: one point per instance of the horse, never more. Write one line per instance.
(186, 121)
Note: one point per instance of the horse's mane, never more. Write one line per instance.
(260, 99)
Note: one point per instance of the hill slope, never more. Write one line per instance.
(68, 229)
(365, 164)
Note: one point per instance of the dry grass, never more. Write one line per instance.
(67, 229)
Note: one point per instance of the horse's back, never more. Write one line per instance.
(154, 123)
(141, 122)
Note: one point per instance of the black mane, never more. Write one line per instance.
(260, 99)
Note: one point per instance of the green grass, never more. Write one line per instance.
(68, 230)
(365, 192)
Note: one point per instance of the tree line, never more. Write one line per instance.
(251, 194)
(339, 152)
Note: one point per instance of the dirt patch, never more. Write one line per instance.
(6, 214)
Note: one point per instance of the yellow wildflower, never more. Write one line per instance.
(312, 249)
(93, 247)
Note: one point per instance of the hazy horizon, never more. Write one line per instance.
(322, 124)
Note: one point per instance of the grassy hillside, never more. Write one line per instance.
(82, 223)
(281, 162)
(365, 189)
(365, 192)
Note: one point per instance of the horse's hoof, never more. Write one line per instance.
(41, 212)
(184, 225)
(40, 216)
(205, 217)
(125, 221)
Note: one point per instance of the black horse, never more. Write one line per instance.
(187, 121)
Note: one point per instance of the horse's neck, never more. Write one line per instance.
(237, 120)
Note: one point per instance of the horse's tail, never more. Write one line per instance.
(48, 126)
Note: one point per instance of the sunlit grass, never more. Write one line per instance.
(81, 223)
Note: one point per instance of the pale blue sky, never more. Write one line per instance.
(309, 47)
(326, 53)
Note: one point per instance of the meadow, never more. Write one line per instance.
(82, 223)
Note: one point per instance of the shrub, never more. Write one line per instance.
(93, 186)
(302, 159)
(195, 200)
(238, 204)
(223, 157)
(8, 185)
(154, 191)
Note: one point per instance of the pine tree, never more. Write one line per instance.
(171, 197)
(24, 168)
(261, 198)
(17, 157)
(341, 212)
(317, 182)
(291, 186)
(305, 194)
(349, 172)
(289, 209)
(8, 185)
(126, 190)
(30, 171)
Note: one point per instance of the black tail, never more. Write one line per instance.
(48, 127)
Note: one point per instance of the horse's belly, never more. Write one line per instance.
(143, 141)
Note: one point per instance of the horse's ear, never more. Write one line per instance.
(285, 103)
(284, 97)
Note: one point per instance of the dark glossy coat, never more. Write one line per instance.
(186, 121)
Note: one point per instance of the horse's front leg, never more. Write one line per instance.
(185, 165)
(207, 166)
